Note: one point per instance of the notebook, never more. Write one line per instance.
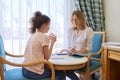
(78, 55)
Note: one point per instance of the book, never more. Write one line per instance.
(78, 55)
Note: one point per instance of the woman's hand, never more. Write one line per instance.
(52, 37)
(73, 50)
(81, 51)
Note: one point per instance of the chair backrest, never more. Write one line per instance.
(3, 62)
(16, 74)
(2, 50)
(98, 39)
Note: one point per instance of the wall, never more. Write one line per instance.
(112, 19)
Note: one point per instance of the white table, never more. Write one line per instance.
(66, 62)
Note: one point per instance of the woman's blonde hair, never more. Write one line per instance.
(80, 17)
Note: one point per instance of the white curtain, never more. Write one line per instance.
(15, 15)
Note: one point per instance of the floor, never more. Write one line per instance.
(96, 77)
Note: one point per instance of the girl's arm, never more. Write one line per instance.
(47, 50)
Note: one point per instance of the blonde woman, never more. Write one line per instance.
(79, 35)
(79, 38)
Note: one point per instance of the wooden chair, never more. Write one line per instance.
(94, 63)
(16, 74)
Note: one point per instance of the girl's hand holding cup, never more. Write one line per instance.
(52, 37)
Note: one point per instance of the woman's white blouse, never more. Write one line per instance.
(81, 39)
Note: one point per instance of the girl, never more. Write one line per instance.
(39, 47)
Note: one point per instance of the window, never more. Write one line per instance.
(15, 15)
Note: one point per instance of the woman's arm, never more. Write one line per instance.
(89, 40)
(81, 51)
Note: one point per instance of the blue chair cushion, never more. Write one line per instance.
(96, 44)
(16, 74)
(93, 65)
